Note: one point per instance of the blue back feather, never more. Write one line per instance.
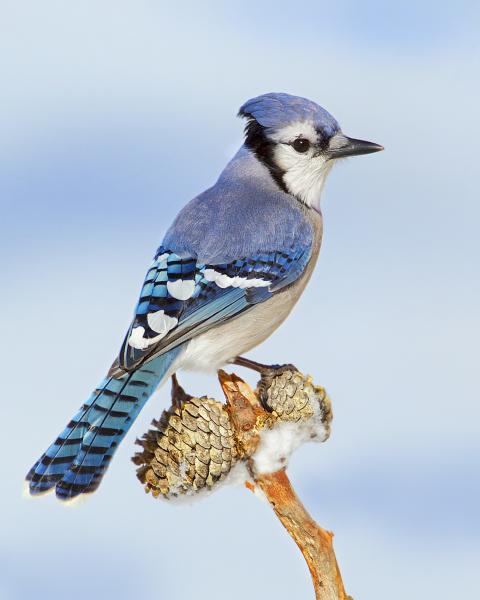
(243, 214)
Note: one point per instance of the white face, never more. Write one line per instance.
(305, 171)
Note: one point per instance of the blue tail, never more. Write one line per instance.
(76, 462)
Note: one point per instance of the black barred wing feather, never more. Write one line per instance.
(169, 282)
(182, 297)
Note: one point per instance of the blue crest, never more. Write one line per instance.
(276, 110)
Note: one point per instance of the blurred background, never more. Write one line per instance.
(112, 116)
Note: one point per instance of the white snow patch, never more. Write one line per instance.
(278, 443)
(238, 475)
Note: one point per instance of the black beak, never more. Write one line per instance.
(340, 146)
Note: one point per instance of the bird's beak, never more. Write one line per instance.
(340, 146)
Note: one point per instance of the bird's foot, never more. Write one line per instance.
(264, 370)
(268, 374)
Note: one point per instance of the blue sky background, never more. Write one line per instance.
(112, 116)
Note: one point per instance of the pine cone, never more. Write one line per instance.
(191, 448)
(291, 396)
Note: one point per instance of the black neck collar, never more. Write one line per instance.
(258, 142)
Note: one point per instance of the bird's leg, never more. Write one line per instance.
(264, 370)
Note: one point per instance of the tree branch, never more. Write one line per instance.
(199, 441)
(315, 543)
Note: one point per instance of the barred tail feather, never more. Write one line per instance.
(76, 462)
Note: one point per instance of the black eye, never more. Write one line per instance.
(301, 145)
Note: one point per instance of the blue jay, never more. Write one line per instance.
(229, 271)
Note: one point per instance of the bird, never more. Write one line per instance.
(228, 272)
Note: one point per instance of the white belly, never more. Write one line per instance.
(218, 346)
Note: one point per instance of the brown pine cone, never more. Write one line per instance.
(191, 448)
(291, 396)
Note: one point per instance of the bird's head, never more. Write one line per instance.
(298, 141)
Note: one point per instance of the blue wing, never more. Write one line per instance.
(182, 297)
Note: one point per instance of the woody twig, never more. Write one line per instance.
(314, 542)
